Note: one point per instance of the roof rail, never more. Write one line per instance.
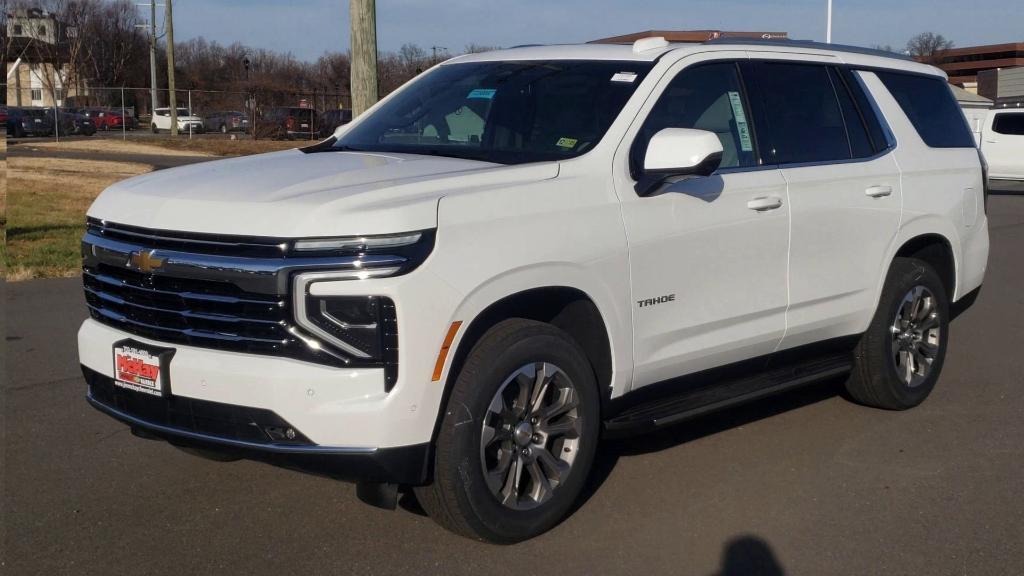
(807, 44)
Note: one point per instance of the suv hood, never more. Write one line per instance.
(292, 194)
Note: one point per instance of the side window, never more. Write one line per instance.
(929, 104)
(868, 109)
(860, 142)
(706, 97)
(804, 118)
(1011, 124)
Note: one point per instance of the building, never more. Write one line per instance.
(37, 70)
(687, 36)
(963, 64)
(1005, 86)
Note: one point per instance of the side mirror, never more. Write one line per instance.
(679, 152)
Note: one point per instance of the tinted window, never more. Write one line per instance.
(1012, 124)
(929, 104)
(507, 112)
(860, 142)
(868, 109)
(804, 119)
(708, 97)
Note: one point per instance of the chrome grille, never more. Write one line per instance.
(220, 292)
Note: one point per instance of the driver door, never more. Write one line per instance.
(708, 255)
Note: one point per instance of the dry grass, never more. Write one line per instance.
(174, 147)
(47, 205)
(225, 147)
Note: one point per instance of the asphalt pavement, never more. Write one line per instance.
(805, 483)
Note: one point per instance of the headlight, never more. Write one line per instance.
(357, 244)
(362, 328)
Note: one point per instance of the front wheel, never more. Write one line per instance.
(155, 129)
(899, 358)
(518, 435)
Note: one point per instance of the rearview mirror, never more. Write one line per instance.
(679, 152)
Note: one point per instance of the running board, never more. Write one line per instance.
(696, 401)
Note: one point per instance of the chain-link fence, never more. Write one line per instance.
(259, 113)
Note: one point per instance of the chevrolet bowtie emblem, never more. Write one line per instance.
(144, 261)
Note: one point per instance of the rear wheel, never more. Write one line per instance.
(899, 358)
(518, 435)
(155, 129)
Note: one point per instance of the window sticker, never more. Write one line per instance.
(741, 121)
(566, 142)
(624, 77)
(482, 93)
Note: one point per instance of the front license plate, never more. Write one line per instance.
(305, 125)
(142, 368)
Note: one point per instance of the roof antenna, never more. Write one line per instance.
(645, 44)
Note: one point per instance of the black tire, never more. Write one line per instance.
(155, 129)
(223, 128)
(876, 378)
(459, 498)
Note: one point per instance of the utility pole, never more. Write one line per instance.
(152, 60)
(828, 24)
(363, 16)
(172, 100)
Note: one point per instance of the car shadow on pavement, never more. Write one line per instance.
(610, 451)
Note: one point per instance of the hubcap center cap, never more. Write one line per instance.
(523, 433)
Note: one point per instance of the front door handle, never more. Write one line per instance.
(763, 203)
(878, 191)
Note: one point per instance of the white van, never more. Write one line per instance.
(522, 251)
(186, 121)
(1002, 143)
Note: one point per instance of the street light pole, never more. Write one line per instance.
(828, 24)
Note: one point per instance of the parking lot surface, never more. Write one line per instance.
(805, 483)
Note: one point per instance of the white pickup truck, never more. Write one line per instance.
(524, 250)
(1002, 143)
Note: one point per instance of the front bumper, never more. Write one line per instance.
(256, 434)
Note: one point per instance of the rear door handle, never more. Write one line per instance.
(765, 203)
(878, 191)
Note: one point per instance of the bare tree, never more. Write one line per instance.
(477, 48)
(928, 47)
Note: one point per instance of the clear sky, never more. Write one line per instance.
(307, 28)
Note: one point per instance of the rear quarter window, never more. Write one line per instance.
(1009, 123)
(929, 104)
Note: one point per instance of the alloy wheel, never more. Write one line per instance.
(530, 435)
(916, 336)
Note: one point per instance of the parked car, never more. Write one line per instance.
(186, 121)
(521, 250)
(287, 122)
(225, 122)
(1002, 143)
(22, 122)
(102, 118)
(3, 115)
(73, 123)
(332, 119)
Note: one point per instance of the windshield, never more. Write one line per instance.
(505, 112)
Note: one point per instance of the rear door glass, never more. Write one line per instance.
(805, 122)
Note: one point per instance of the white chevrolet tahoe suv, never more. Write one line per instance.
(523, 251)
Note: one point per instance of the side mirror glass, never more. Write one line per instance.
(679, 152)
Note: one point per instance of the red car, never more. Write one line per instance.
(107, 119)
(3, 114)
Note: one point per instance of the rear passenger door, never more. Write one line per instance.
(844, 193)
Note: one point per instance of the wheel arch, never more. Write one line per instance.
(937, 251)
